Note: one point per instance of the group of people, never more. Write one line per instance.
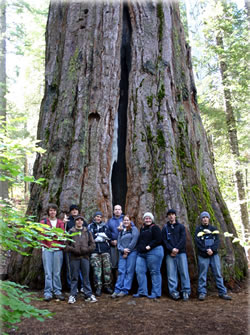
(118, 245)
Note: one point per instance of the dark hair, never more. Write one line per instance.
(129, 227)
(54, 206)
(73, 207)
(171, 211)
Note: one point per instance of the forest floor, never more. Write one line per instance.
(128, 316)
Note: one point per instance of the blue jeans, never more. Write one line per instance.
(149, 261)
(52, 264)
(175, 264)
(126, 270)
(214, 262)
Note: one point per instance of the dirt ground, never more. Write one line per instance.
(128, 316)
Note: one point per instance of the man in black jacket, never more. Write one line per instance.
(100, 257)
(207, 242)
(174, 239)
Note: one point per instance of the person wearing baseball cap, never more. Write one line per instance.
(80, 249)
(69, 221)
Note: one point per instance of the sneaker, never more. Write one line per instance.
(71, 300)
(59, 297)
(225, 297)
(82, 290)
(202, 296)
(108, 290)
(98, 292)
(121, 294)
(92, 298)
(175, 296)
(47, 298)
(185, 296)
(114, 295)
(137, 295)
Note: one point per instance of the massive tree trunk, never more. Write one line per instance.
(120, 122)
(233, 140)
(3, 184)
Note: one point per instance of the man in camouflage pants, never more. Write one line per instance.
(100, 257)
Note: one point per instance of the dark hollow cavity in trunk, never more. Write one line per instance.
(119, 172)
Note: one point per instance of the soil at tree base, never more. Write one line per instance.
(128, 316)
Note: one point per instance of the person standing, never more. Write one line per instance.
(149, 257)
(52, 258)
(69, 222)
(127, 240)
(100, 257)
(113, 224)
(207, 242)
(174, 240)
(80, 248)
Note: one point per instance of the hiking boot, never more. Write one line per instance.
(71, 300)
(98, 292)
(138, 295)
(225, 297)
(59, 297)
(202, 296)
(47, 298)
(92, 298)
(175, 296)
(121, 294)
(108, 290)
(114, 295)
(185, 296)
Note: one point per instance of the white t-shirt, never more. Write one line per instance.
(53, 223)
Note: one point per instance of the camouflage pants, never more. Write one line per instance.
(101, 265)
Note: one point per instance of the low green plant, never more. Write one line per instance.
(19, 233)
(16, 303)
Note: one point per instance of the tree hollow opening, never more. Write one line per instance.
(119, 171)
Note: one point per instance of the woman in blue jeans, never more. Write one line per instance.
(149, 258)
(127, 240)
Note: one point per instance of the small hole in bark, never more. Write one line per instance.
(94, 116)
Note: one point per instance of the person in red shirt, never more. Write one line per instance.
(52, 258)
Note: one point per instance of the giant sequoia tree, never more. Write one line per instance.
(120, 123)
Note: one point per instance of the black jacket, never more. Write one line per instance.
(207, 237)
(149, 235)
(95, 229)
(174, 236)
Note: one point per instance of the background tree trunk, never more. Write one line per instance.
(233, 141)
(120, 123)
(3, 184)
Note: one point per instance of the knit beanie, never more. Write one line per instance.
(204, 214)
(150, 215)
(73, 207)
(97, 213)
(171, 211)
